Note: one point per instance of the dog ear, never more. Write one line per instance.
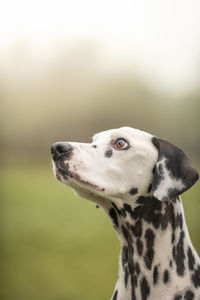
(173, 173)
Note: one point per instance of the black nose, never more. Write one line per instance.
(61, 149)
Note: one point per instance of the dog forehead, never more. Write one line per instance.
(123, 132)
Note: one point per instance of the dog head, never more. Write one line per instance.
(124, 164)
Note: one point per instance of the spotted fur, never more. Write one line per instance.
(139, 188)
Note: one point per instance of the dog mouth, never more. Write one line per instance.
(62, 171)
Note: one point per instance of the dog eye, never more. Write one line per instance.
(121, 144)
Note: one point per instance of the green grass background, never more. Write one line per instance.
(56, 246)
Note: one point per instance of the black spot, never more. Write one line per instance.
(149, 254)
(121, 212)
(178, 297)
(134, 281)
(124, 255)
(127, 207)
(189, 295)
(139, 246)
(126, 234)
(145, 289)
(150, 237)
(130, 250)
(115, 295)
(133, 297)
(148, 209)
(113, 214)
(130, 259)
(170, 263)
(179, 221)
(168, 216)
(97, 206)
(134, 285)
(156, 221)
(94, 146)
(179, 255)
(137, 229)
(174, 252)
(137, 268)
(148, 258)
(126, 276)
(133, 191)
(191, 260)
(173, 237)
(131, 265)
(196, 277)
(166, 277)
(153, 170)
(155, 275)
(108, 153)
(149, 188)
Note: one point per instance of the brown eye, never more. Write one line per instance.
(121, 144)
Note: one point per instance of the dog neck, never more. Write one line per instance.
(156, 247)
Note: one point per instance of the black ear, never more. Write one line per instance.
(173, 173)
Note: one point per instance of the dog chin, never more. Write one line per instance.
(85, 184)
(75, 181)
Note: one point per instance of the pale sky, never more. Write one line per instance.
(159, 38)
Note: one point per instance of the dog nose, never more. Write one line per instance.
(61, 149)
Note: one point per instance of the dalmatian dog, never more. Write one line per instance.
(137, 179)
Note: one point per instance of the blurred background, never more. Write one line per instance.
(69, 69)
